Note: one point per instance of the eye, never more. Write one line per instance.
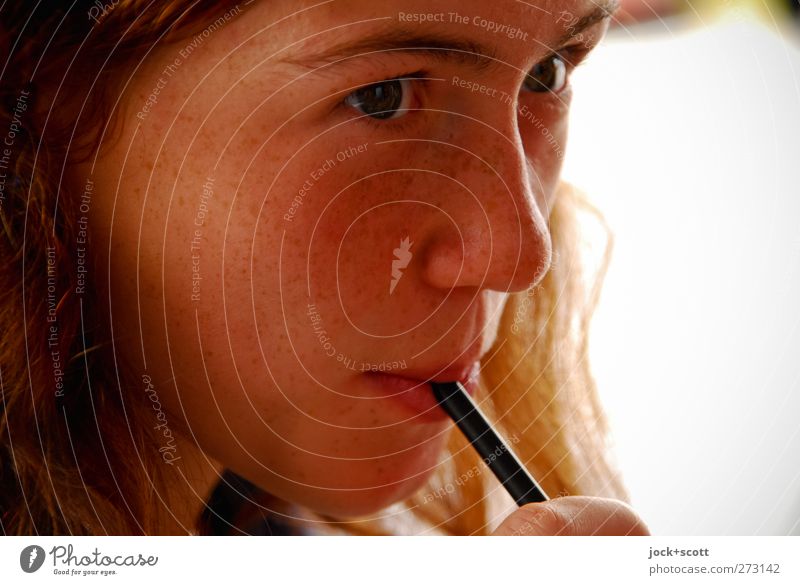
(382, 100)
(547, 75)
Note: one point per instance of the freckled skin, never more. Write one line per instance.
(239, 368)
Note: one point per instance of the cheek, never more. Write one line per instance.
(303, 276)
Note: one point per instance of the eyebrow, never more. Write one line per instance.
(600, 12)
(443, 47)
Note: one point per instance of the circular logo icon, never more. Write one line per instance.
(31, 558)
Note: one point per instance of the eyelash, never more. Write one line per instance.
(573, 56)
(418, 79)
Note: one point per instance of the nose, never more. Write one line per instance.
(494, 234)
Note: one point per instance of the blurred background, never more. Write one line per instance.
(685, 133)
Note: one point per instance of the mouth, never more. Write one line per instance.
(412, 391)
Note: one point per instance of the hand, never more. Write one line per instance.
(574, 516)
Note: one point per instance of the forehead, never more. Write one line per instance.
(516, 11)
(503, 23)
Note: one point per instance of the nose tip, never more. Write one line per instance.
(499, 249)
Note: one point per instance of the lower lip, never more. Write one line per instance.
(414, 395)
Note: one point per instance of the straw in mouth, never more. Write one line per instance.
(496, 453)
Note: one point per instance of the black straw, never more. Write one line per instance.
(497, 455)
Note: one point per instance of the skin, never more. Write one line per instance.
(243, 379)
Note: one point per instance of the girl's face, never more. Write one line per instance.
(307, 191)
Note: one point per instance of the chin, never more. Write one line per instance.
(352, 505)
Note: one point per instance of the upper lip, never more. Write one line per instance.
(458, 372)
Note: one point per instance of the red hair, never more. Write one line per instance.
(76, 453)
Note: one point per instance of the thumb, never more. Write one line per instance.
(574, 516)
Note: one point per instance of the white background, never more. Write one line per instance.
(688, 140)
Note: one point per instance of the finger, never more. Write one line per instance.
(572, 516)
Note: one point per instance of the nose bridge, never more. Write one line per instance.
(500, 239)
